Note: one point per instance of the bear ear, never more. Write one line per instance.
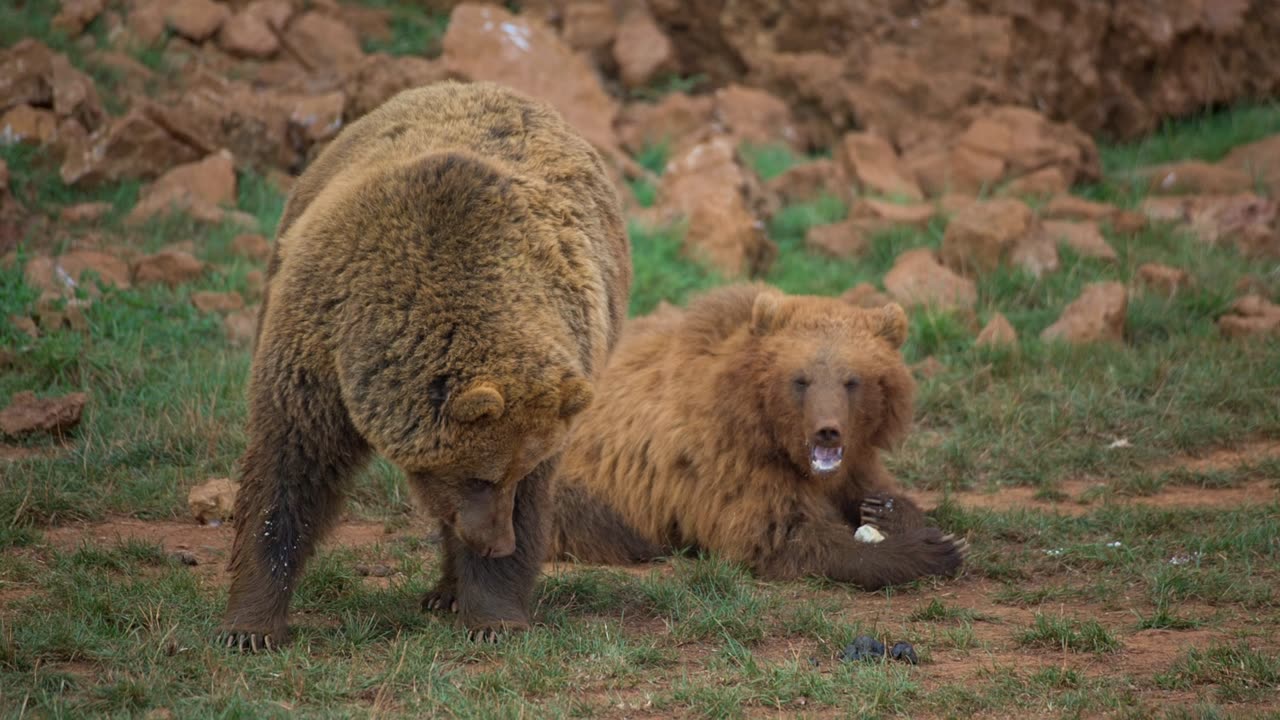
(481, 399)
(893, 324)
(575, 395)
(764, 312)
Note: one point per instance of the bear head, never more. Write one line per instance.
(490, 435)
(832, 379)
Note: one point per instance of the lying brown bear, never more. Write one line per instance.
(750, 425)
(447, 279)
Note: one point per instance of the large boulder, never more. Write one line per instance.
(710, 188)
(485, 42)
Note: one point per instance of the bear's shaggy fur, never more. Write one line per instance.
(750, 425)
(447, 279)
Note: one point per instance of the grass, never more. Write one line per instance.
(107, 626)
(415, 30)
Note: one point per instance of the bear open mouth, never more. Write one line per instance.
(825, 459)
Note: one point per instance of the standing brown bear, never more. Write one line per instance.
(750, 425)
(448, 277)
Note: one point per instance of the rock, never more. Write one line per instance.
(590, 26)
(986, 235)
(74, 15)
(1251, 315)
(372, 570)
(863, 647)
(840, 240)
(32, 74)
(868, 534)
(171, 267)
(904, 652)
(870, 162)
(131, 147)
(669, 122)
(186, 557)
(200, 189)
(4, 179)
(56, 312)
(1041, 183)
(62, 274)
(241, 326)
(196, 19)
(1083, 237)
(1162, 278)
(708, 186)
(808, 181)
(865, 295)
(1025, 142)
(27, 414)
(87, 212)
(322, 42)
(252, 246)
(28, 125)
(213, 502)
(1070, 207)
(917, 215)
(643, 52)
(254, 31)
(755, 117)
(957, 169)
(144, 24)
(254, 280)
(1196, 177)
(928, 368)
(1128, 222)
(382, 76)
(485, 42)
(1217, 219)
(1097, 315)
(918, 279)
(217, 302)
(997, 332)
(317, 117)
(25, 325)
(1261, 160)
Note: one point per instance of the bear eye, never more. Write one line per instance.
(801, 383)
(852, 384)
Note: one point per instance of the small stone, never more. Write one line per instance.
(918, 279)
(1083, 237)
(903, 651)
(171, 267)
(1097, 315)
(372, 570)
(1163, 278)
(928, 367)
(863, 647)
(186, 557)
(27, 414)
(213, 502)
(252, 246)
(241, 326)
(84, 212)
(838, 240)
(998, 331)
(216, 302)
(868, 534)
(25, 325)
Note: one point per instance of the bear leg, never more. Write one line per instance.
(494, 593)
(827, 548)
(302, 450)
(444, 596)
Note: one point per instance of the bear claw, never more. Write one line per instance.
(247, 641)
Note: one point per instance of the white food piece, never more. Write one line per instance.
(868, 534)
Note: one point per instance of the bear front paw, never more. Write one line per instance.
(444, 598)
(251, 641)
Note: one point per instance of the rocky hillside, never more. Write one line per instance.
(901, 110)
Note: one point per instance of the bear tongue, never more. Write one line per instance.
(825, 459)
